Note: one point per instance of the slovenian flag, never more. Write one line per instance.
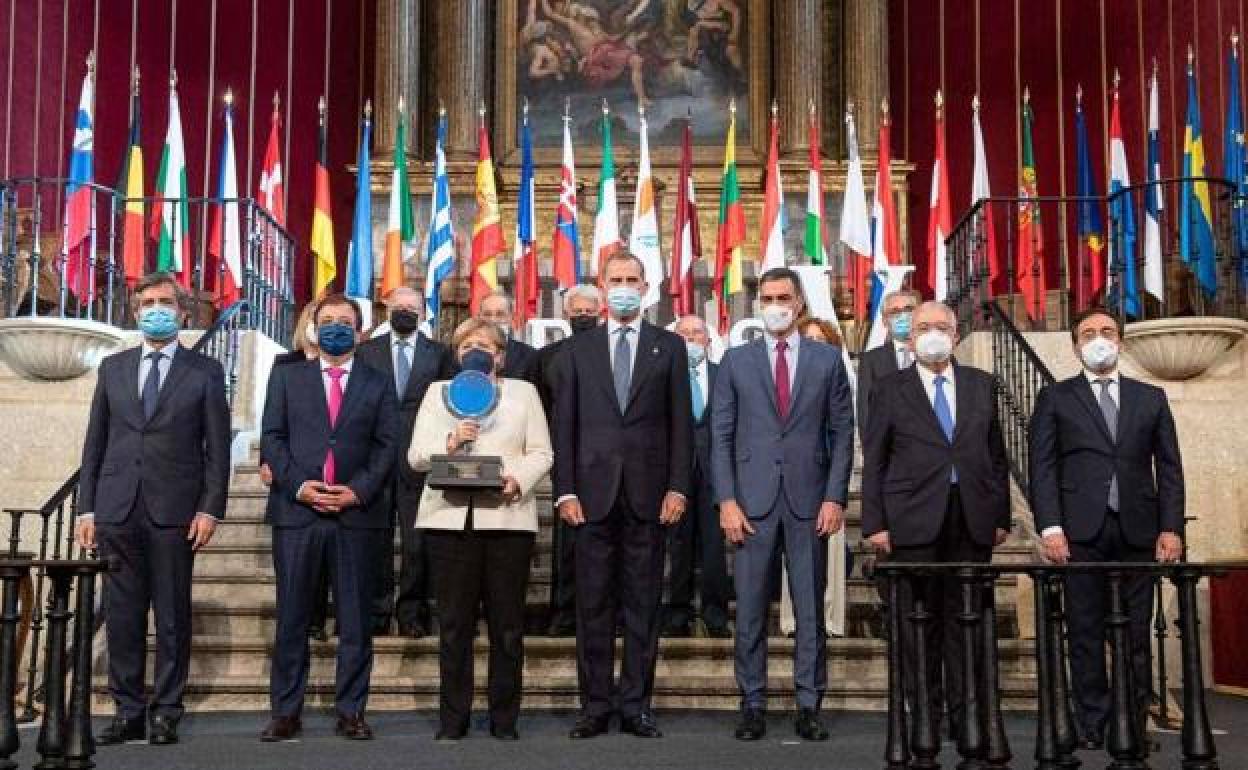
(79, 203)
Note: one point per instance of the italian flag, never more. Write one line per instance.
(400, 223)
(171, 215)
(728, 256)
(607, 218)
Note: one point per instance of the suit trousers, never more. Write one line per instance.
(619, 562)
(349, 556)
(806, 554)
(474, 568)
(411, 605)
(562, 574)
(1087, 605)
(698, 535)
(153, 567)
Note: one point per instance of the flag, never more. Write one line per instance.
(566, 245)
(1195, 211)
(1154, 200)
(225, 239)
(815, 249)
(939, 216)
(1122, 214)
(1090, 271)
(79, 228)
(728, 257)
(981, 191)
(771, 254)
(643, 237)
(322, 215)
(607, 218)
(440, 254)
(1030, 267)
(272, 192)
(524, 251)
(400, 223)
(130, 185)
(360, 249)
(855, 221)
(171, 214)
(885, 249)
(687, 240)
(487, 228)
(1235, 160)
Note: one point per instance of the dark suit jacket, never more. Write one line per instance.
(521, 362)
(296, 437)
(702, 428)
(642, 453)
(873, 366)
(180, 458)
(907, 460)
(1073, 458)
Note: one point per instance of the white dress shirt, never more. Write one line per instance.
(1114, 395)
(328, 383)
(164, 363)
(613, 335)
(928, 378)
(902, 354)
(790, 356)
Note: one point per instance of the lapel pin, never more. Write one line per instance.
(654, 352)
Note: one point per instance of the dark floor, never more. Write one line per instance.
(693, 740)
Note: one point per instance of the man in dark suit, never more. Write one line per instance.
(520, 359)
(622, 456)
(582, 306)
(329, 431)
(155, 473)
(413, 362)
(699, 532)
(782, 438)
(894, 355)
(1106, 485)
(935, 484)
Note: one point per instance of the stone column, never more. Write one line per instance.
(397, 73)
(866, 66)
(461, 63)
(797, 39)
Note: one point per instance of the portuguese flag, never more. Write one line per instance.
(728, 256)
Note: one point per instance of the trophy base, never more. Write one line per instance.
(469, 473)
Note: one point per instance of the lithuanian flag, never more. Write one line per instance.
(728, 256)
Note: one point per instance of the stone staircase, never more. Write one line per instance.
(234, 617)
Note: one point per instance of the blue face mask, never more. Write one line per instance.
(336, 339)
(158, 323)
(477, 361)
(623, 300)
(900, 326)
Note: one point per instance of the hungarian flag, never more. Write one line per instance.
(939, 214)
(171, 215)
(687, 241)
(487, 228)
(130, 185)
(400, 223)
(1125, 293)
(79, 198)
(1031, 278)
(772, 251)
(885, 247)
(322, 215)
(981, 191)
(643, 238)
(225, 239)
(855, 221)
(524, 250)
(728, 256)
(566, 245)
(607, 218)
(815, 249)
(1090, 271)
(360, 249)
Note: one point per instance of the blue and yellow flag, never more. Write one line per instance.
(1234, 158)
(1195, 211)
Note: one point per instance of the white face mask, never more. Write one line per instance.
(777, 318)
(934, 347)
(1099, 354)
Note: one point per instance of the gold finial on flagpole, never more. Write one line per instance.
(775, 109)
(732, 106)
(1078, 95)
(91, 63)
(441, 109)
(229, 96)
(277, 100)
(173, 78)
(1191, 59)
(320, 109)
(368, 108)
(1117, 80)
(606, 109)
(975, 103)
(135, 82)
(1026, 95)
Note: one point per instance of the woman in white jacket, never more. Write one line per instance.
(480, 544)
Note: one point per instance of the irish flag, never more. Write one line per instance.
(171, 214)
(728, 257)
(772, 251)
(400, 223)
(487, 229)
(607, 219)
(643, 240)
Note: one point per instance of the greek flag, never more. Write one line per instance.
(440, 259)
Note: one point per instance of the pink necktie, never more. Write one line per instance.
(782, 379)
(335, 403)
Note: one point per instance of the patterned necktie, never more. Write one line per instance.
(402, 365)
(622, 367)
(782, 379)
(698, 398)
(151, 385)
(944, 415)
(1109, 410)
(335, 405)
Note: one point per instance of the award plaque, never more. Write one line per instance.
(470, 395)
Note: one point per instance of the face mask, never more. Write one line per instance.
(900, 326)
(158, 323)
(404, 322)
(582, 323)
(477, 360)
(1099, 354)
(777, 318)
(336, 339)
(934, 347)
(697, 353)
(623, 300)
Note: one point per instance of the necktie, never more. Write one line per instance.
(944, 415)
(698, 398)
(622, 367)
(1109, 410)
(335, 404)
(151, 385)
(402, 365)
(782, 379)
(903, 358)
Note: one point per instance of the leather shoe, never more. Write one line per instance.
(449, 734)
(282, 729)
(588, 727)
(353, 727)
(642, 726)
(808, 726)
(504, 733)
(753, 726)
(122, 730)
(163, 731)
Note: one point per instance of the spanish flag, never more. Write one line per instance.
(487, 228)
(322, 219)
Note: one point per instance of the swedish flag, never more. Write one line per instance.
(1195, 211)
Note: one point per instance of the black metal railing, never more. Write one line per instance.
(1020, 374)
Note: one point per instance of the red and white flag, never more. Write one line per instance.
(980, 191)
(687, 240)
(940, 218)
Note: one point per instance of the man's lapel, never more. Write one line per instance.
(599, 347)
(357, 383)
(1086, 396)
(178, 369)
(644, 361)
(912, 388)
(762, 365)
(962, 399)
(312, 382)
(130, 385)
(1128, 404)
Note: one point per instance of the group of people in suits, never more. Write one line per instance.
(649, 445)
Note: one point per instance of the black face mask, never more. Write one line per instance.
(582, 323)
(404, 322)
